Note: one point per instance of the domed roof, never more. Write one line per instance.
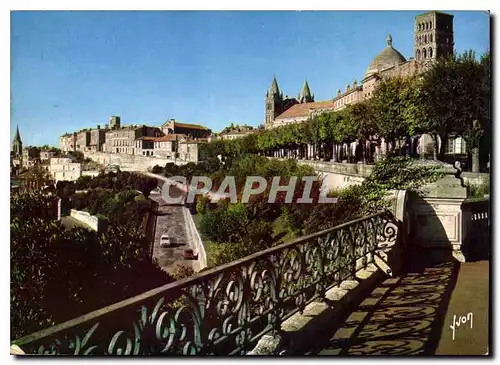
(389, 57)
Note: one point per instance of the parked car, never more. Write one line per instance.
(189, 255)
(165, 241)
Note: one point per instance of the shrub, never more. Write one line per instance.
(479, 191)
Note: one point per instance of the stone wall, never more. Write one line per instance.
(194, 237)
(91, 220)
(129, 162)
(340, 175)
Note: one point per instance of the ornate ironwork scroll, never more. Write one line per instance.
(227, 309)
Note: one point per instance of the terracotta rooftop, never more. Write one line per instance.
(195, 141)
(302, 110)
(186, 125)
(147, 138)
(170, 137)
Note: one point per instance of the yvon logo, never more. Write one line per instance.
(462, 320)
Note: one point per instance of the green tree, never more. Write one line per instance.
(453, 95)
(395, 101)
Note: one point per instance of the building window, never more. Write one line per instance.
(424, 53)
(450, 148)
(430, 52)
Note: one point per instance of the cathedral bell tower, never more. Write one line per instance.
(433, 36)
(274, 99)
(305, 95)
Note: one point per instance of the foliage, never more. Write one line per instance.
(78, 155)
(455, 94)
(479, 191)
(202, 204)
(182, 272)
(157, 169)
(395, 101)
(59, 274)
(225, 225)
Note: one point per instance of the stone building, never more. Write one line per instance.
(120, 140)
(189, 150)
(46, 155)
(82, 140)
(114, 122)
(97, 139)
(433, 38)
(31, 156)
(145, 145)
(127, 139)
(168, 146)
(193, 130)
(17, 144)
(67, 142)
(64, 169)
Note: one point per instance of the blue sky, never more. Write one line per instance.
(71, 70)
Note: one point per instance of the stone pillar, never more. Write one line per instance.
(475, 159)
(437, 217)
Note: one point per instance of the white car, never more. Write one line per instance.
(165, 241)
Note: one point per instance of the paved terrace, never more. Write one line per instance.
(411, 314)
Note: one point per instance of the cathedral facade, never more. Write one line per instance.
(433, 38)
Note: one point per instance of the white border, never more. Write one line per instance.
(8, 5)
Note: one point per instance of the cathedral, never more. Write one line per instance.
(433, 38)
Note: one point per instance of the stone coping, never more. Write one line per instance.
(301, 332)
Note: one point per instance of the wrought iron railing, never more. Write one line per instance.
(224, 310)
(476, 228)
(478, 209)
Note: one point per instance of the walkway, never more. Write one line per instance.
(411, 314)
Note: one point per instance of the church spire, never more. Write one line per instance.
(17, 144)
(274, 89)
(389, 40)
(17, 136)
(305, 95)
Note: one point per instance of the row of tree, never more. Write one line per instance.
(452, 98)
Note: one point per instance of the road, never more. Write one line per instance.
(172, 222)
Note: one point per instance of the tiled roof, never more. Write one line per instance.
(185, 125)
(170, 137)
(195, 141)
(190, 126)
(147, 138)
(302, 110)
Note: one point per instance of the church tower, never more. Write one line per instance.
(274, 102)
(305, 95)
(433, 36)
(17, 144)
